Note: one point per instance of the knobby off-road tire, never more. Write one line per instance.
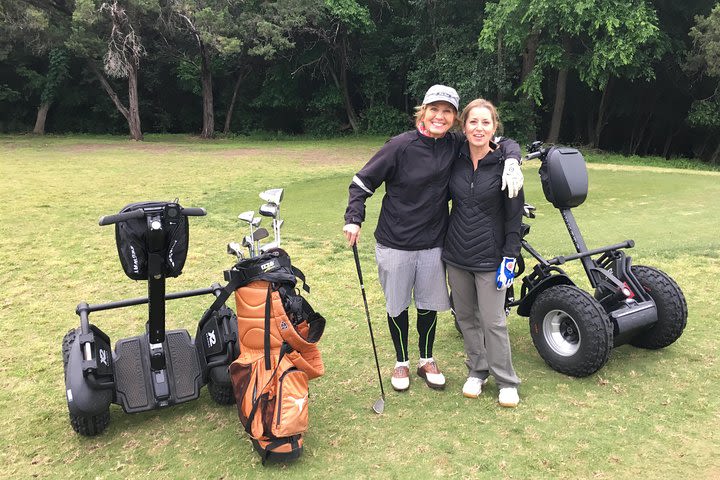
(221, 394)
(571, 331)
(89, 425)
(671, 308)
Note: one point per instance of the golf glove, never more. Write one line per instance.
(505, 273)
(512, 177)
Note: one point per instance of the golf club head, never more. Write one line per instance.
(274, 195)
(247, 241)
(260, 234)
(247, 217)
(256, 222)
(268, 210)
(233, 248)
(379, 406)
(269, 246)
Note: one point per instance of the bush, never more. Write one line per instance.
(384, 120)
(518, 120)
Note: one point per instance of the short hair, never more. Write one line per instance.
(481, 103)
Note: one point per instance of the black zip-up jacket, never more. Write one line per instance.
(416, 171)
(484, 223)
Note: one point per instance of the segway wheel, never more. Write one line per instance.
(86, 425)
(671, 308)
(571, 331)
(221, 394)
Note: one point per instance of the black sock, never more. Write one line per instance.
(426, 322)
(399, 332)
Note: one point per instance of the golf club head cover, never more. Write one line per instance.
(512, 177)
(505, 273)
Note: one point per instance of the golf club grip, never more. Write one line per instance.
(120, 217)
(357, 265)
(194, 211)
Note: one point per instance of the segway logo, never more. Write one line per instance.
(210, 337)
(103, 357)
(136, 266)
(170, 254)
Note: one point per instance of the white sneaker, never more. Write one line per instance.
(508, 397)
(473, 387)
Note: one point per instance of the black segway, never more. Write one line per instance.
(574, 331)
(159, 368)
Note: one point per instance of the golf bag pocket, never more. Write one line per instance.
(291, 404)
(240, 375)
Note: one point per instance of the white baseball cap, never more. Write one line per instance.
(442, 93)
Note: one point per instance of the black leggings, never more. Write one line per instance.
(399, 326)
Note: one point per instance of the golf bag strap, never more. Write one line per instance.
(268, 301)
(293, 440)
(234, 283)
(299, 274)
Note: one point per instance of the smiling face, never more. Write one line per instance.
(479, 127)
(438, 118)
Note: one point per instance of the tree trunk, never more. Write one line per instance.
(133, 104)
(716, 155)
(40, 119)
(560, 89)
(529, 55)
(231, 108)
(501, 68)
(208, 130)
(133, 118)
(342, 84)
(602, 115)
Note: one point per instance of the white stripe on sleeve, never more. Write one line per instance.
(360, 184)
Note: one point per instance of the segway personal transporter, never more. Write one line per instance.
(159, 368)
(572, 330)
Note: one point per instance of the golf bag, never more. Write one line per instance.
(278, 332)
(132, 244)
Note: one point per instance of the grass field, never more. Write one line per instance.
(646, 414)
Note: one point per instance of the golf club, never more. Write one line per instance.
(272, 210)
(274, 195)
(259, 234)
(379, 406)
(233, 248)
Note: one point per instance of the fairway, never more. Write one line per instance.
(646, 414)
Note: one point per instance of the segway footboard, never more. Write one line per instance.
(139, 388)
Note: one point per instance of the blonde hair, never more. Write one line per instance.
(420, 113)
(482, 103)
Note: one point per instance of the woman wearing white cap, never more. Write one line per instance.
(415, 167)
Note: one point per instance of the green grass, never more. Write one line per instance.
(645, 414)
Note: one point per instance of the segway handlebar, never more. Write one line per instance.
(120, 217)
(194, 211)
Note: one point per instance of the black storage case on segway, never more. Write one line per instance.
(158, 368)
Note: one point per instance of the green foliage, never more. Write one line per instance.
(705, 56)
(385, 120)
(705, 113)
(519, 121)
(57, 74)
(355, 17)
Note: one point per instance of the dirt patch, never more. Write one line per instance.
(133, 147)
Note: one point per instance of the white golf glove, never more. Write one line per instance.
(512, 177)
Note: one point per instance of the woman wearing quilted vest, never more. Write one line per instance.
(415, 167)
(482, 243)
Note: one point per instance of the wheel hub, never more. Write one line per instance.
(561, 333)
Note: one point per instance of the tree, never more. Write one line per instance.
(704, 61)
(109, 32)
(598, 40)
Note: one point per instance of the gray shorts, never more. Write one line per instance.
(405, 274)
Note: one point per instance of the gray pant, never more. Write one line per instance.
(412, 273)
(480, 312)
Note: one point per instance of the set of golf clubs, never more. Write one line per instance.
(271, 209)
